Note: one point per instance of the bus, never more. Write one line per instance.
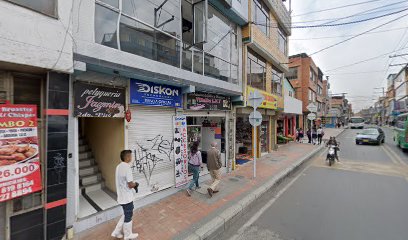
(357, 122)
(401, 131)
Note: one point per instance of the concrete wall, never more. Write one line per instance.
(241, 8)
(106, 138)
(34, 39)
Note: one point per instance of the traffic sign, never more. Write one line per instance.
(312, 107)
(311, 116)
(255, 118)
(255, 99)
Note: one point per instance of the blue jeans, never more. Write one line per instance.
(128, 211)
(195, 170)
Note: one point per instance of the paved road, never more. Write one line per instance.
(364, 197)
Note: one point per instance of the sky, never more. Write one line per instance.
(358, 80)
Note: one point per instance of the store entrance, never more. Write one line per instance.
(207, 130)
(100, 143)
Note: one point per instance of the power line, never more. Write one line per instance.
(363, 61)
(336, 24)
(351, 35)
(352, 73)
(365, 12)
(348, 39)
(335, 8)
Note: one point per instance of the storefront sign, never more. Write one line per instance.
(20, 172)
(270, 100)
(207, 101)
(96, 101)
(180, 150)
(154, 94)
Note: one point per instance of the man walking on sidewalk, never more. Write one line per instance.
(214, 164)
(125, 187)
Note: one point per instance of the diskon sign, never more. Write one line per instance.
(154, 94)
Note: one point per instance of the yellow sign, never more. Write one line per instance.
(270, 101)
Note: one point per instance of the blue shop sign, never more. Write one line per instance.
(154, 94)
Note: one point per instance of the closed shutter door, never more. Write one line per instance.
(150, 136)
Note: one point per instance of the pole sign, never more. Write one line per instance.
(154, 94)
(180, 150)
(97, 101)
(255, 118)
(312, 107)
(311, 116)
(20, 172)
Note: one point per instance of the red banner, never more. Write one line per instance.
(20, 172)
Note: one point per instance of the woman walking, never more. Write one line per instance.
(195, 162)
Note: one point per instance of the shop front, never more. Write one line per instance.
(99, 116)
(209, 120)
(151, 135)
(266, 132)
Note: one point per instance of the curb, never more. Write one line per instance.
(226, 218)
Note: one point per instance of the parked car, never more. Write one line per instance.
(370, 136)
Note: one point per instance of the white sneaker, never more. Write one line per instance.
(118, 232)
(127, 230)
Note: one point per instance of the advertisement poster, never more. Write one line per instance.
(20, 172)
(208, 101)
(180, 150)
(270, 100)
(97, 101)
(154, 94)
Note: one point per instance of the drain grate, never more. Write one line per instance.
(232, 179)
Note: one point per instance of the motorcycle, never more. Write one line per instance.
(331, 155)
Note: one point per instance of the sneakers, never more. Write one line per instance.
(188, 192)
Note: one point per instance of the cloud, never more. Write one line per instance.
(360, 48)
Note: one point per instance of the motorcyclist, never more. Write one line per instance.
(332, 141)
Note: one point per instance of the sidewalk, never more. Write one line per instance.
(198, 216)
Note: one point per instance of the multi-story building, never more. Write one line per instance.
(339, 112)
(307, 79)
(326, 100)
(173, 69)
(390, 99)
(35, 66)
(401, 91)
(265, 54)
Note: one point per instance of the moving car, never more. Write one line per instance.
(357, 122)
(401, 131)
(371, 136)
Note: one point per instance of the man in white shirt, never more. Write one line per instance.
(126, 194)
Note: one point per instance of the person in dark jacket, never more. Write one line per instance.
(214, 165)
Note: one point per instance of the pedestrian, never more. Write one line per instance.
(309, 136)
(301, 135)
(320, 134)
(342, 124)
(214, 165)
(126, 189)
(314, 135)
(195, 162)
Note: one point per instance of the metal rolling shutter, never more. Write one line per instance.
(150, 135)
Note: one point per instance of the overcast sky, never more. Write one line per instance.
(359, 86)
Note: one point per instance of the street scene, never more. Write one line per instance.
(203, 119)
(360, 197)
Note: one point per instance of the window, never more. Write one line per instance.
(277, 78)
(293, 73)
(106, 21)
(312, 75)
(260, 16)
(310, 96)
(256, 71)
(400, 123)
(282, 40)
(47, 7)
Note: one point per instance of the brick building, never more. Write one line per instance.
(307, 79)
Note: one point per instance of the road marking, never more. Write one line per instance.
(266, 206)
(390, 155)
(396, 155)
